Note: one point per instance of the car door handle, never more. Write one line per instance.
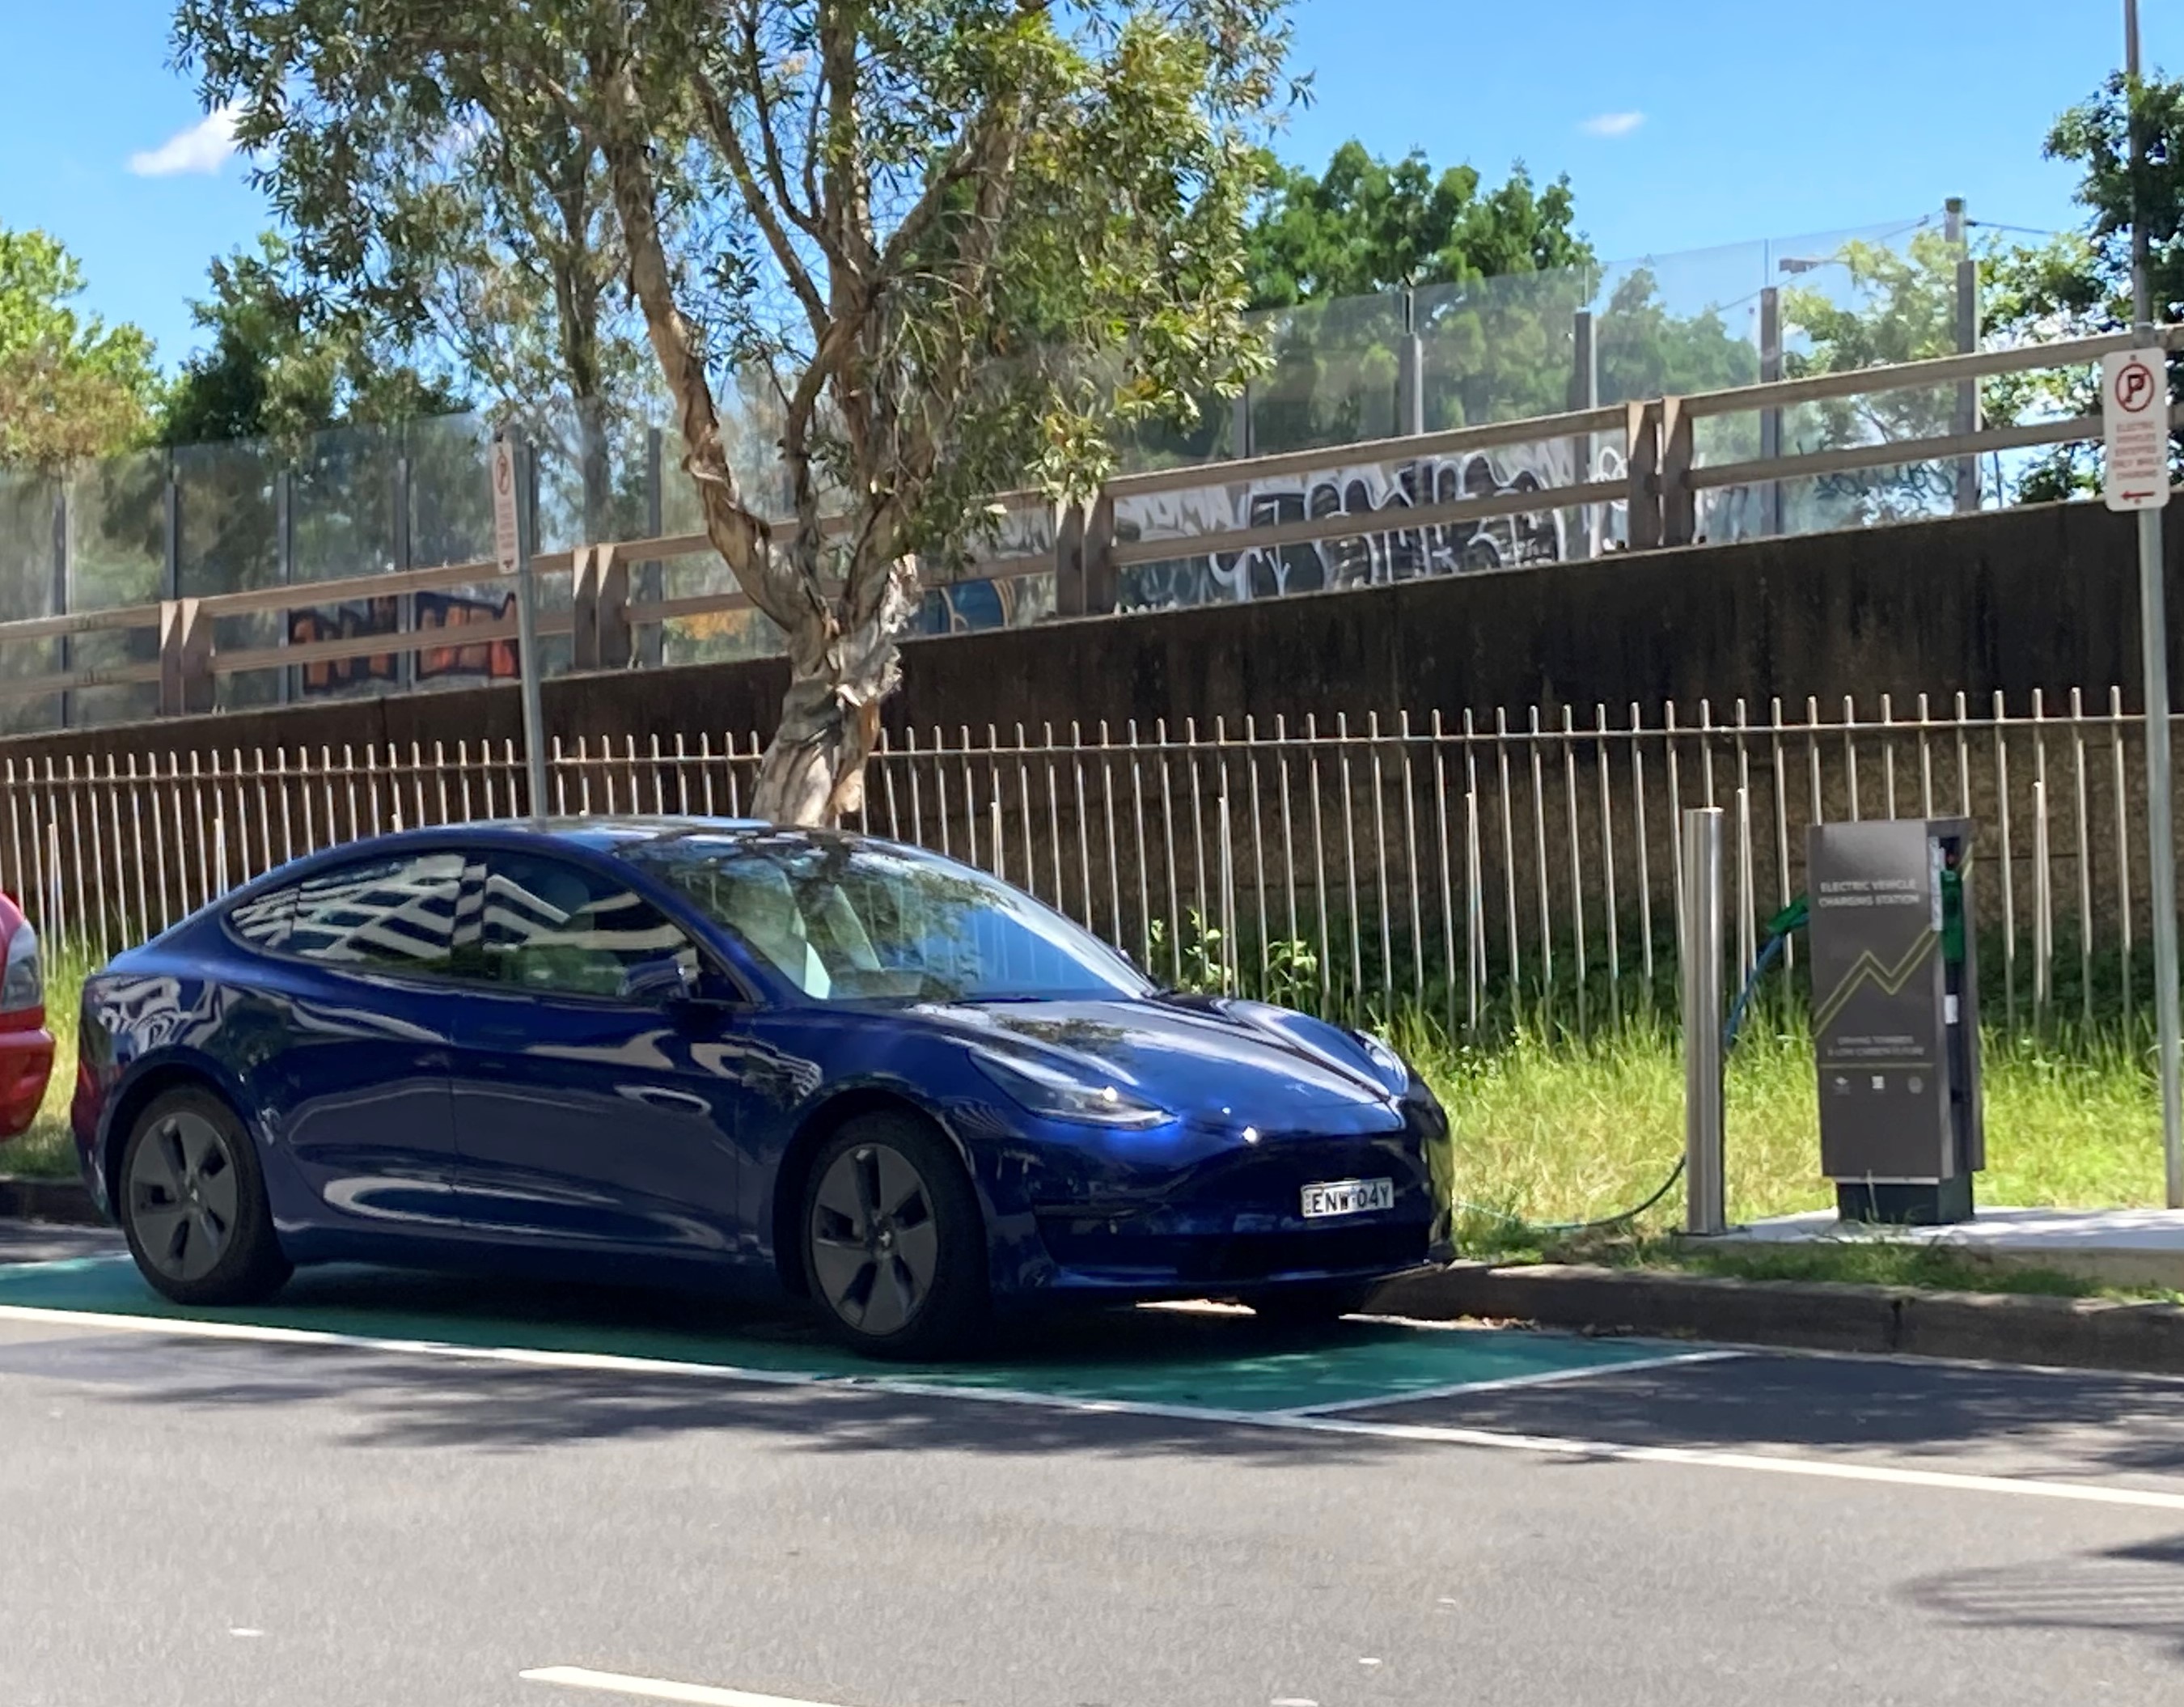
(659, 1097)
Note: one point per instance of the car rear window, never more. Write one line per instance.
(397, 913)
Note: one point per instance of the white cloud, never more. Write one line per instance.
(200, 148)
(1612, 125)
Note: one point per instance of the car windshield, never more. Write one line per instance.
(845, 922)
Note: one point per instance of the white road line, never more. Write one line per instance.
(1835, 1469)
(655, 1688)
(1556, 1446)
(1924, 1360)
(264, 1334)
(1564, 1446)
(1735, 1349)
(1504, 1383)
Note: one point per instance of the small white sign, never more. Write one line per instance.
(2135, 428)
(503, 505)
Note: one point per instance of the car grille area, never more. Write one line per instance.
(1236, 1218)
(1102, 1249)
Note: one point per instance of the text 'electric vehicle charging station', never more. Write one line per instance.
(1896, 1018)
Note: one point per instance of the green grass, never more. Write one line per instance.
(1554, 1129)
(1872, 1263)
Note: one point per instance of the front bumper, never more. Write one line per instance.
(1197, 1265)
(1236, 1220)
(1207, 1211)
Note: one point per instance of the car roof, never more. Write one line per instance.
(613, 834)
(607, 836)
(602, 837)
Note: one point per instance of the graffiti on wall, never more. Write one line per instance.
(487, 660)
(1915, 489)
(345, 622)
(495, 659)
(1386, 554)
(961, 602)
(964, 606)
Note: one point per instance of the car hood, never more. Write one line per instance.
(1205, 1059)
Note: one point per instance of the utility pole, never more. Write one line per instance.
(515, 542)
(2153, 652)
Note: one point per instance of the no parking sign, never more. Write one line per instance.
(2135, 428)
(504, 547)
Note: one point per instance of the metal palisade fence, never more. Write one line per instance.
(1515, 869)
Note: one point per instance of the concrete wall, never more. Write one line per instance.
(2043, 598)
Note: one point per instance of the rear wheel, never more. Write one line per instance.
(193, 1204)
(1306, 1306)
(894, 1242)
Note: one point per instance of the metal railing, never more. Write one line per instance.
(1487, 871)
(1083, 550)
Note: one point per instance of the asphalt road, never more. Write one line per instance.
(220, 1523)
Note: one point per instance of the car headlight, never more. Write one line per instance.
(23, 986)
(1384, 1058)
(1062, 1095)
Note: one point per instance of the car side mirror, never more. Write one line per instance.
(658, 983)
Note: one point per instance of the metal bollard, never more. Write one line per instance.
(1700, 955)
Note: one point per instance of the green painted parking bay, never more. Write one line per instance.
(1200, 1359)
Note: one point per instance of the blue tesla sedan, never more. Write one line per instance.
(794, 1061)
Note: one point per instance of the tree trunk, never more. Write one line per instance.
(597, 472)
(843, 661)
(842, 656)
(813, 770)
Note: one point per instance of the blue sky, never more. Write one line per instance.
(1682, 127)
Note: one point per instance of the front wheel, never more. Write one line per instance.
(894, 1246)
(193, 1204)
(1313, 1306)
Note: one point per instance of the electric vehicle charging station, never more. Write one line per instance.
(1894, 989)
(1896, 1018)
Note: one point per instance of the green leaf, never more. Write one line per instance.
(70, 387)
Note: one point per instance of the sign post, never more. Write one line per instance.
(2142, 484)
(1699, 959)
(512, 546)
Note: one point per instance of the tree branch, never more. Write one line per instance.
(973, 153)
(721, 123)
(806, 222)
(846, 213)
(970, 279)
(814, 109)
(743, 539)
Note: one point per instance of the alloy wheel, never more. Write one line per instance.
(183, 1196)
(875, 1244)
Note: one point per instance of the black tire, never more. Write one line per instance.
(893, 1243)
(191, 1199)
(1313, 1306)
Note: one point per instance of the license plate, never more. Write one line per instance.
(1347, 1198)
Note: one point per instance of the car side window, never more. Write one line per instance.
(559, 928)
(394, 915)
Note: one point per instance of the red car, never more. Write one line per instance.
(26, 1047)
